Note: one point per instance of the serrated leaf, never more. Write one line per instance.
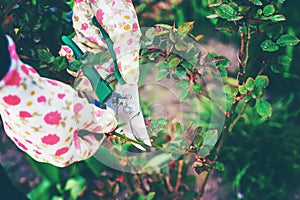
(184, 94)
(162, 65)
(210, 138)
(184, 84)
(161, 74)
(269, 10)
(257, 92)
(180, 45)
(227, 89)
(269, 45)
(45, 56)
(60, 63)
(277, 18)
(180, 72)
(250, 84)
(287, 40)
(242, 89)
(75, 65)
(262, 81)
(186, 28)
(225, 11)
(173, 61)
(214, 3)
(263, 108)
(197, 87)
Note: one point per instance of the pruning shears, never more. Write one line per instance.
(124, 99)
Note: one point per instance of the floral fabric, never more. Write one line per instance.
(119, 20)
(43, 117)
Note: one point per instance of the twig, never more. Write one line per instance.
(179, 175)
(146, 146)
(238, 117)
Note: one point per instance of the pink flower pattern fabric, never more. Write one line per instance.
(43, 117)
(119, 20)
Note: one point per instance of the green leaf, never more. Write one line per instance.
(75, 65)
(186, 28)
(162, 65)
(269, 45)
(180, 72)
(262, 81)
(161, 74)
(173, 61)
(197, 87)
(184, 94)
(277, 18)
(287, 40)
(184, 84)
(41, 191)
(60, 63)
(214, 3)
(227, 89)
(225, 11)
(150, 196)
(250, 84)
(181, 45)
(45, 56)
(256, 2)
(210, 138)
(221, 61)
(76, 186)
(242, 89)
(258, 92)
(269, 10)
(263, 108)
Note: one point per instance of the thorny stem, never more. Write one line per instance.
(238, 117)
(146, 146)
(244, 57)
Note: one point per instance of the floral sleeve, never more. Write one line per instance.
(119, 20)
(44, 117)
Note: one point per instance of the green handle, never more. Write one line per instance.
(77, 51)
(100, 87)
(110, 45)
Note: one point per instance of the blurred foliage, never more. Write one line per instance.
(261, 95)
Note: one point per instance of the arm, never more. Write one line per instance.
(44, 117)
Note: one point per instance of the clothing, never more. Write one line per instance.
(118, 18)
(43, 117)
